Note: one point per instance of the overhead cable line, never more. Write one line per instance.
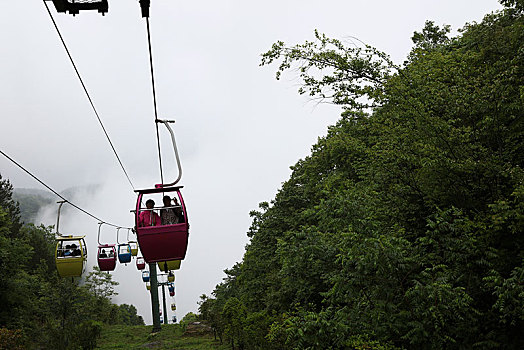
(154, 97)
(56, 193)
(87, 93)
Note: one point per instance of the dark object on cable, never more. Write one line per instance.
(144, 5)
(75, 6)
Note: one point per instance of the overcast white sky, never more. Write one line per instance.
(238, 129)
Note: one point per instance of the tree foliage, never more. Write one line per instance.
(404, 227)
(40, 309)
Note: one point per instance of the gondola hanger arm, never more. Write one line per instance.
(179, 165)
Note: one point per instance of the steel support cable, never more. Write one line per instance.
(87, 93)
(154, 98)
(56, 193)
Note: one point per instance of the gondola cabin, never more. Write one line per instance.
(124, 253)
(162, 231)
(106, 257)
(173, 307)
(70, 256)
(145, 276)
(171, 277)
(74, 7)
(174, 319)
(140, 263)
(134, 247)
(148, 286)
(171, 287)
(172, 294)
(169, 265)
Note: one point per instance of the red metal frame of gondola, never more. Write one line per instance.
(164, 242)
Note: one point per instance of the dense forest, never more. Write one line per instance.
(404, 227)
(40, 309)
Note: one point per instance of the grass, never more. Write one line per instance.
(140, 337)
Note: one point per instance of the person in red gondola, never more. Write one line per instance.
(149, 217)
(168, 215)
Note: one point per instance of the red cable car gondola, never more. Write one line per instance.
(140, 263)
(106, 256)
(162, 242)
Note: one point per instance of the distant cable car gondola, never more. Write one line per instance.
(140, 263)
(171, 277)
(173, 307)
(172, 294)
(162, 241)
(171, 287)
(133, 245)
(148, 286)
(124, 250)
(145, 276)
(106, 256)
(166, 266)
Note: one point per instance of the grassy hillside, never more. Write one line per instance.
(171, 337)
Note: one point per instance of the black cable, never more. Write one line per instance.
(87, 93)
(56, 193)
(154, 99)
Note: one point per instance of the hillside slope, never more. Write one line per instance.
(171, 337)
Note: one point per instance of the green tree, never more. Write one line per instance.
(101, 283)
(403, 228)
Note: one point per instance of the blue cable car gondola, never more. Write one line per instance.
(145, 276)
(124, 250)
(171, 287)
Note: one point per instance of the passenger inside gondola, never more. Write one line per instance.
(103, 254)
(68, 251)
(75, 251)
(149, 217)
(179, 212)
(168, 215)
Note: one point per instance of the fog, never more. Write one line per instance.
(238, 129)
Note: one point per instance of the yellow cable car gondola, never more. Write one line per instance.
(132, 244)
(70, 252)
(173, 307)
(166, 266)
(70, 256)
(148, 286)
(171, 276)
